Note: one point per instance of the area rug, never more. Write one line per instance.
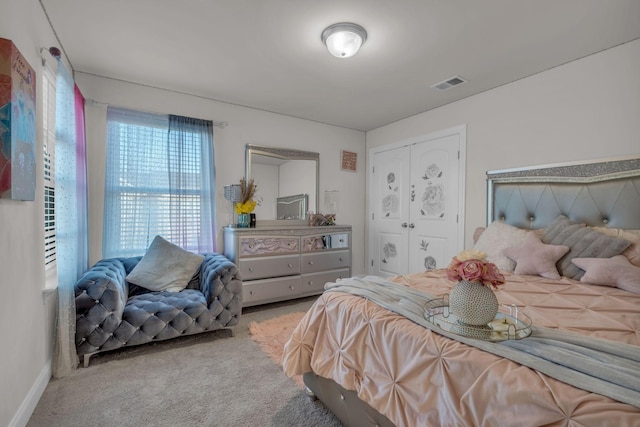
(272, 335)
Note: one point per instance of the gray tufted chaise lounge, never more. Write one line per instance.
(112, 313)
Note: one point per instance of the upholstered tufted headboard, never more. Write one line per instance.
(599, 193)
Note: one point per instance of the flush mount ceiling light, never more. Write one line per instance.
(344, 39)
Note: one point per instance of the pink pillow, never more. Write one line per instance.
(536, 258)
(616, 271)
(495, 239)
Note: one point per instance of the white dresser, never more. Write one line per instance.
(278, 263)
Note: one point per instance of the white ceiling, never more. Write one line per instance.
(267, 54)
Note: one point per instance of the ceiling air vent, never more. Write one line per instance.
(449, 83)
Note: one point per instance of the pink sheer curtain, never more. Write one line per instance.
(81, 183)
(71, 216)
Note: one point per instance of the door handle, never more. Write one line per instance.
(404, 225)
(412, 225)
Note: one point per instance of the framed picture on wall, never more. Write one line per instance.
(348, 161)
(17, 124)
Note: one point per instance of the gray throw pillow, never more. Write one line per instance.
(583, 242)
(165, 267)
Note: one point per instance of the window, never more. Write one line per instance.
(159, 181)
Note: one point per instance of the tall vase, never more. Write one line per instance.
(244, 219)
(473, 303)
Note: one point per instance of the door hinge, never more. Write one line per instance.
(373, 169)
(371, 263)
(458, 154)
(373, 216)
(457, 218)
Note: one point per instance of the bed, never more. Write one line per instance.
(373, 366)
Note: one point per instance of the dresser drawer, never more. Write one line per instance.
(313, 283)
(270, 290)
(331, 260)
(252, 246)
(325, 241)
(262, 268)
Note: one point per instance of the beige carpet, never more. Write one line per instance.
(272, 335)
(204, 380)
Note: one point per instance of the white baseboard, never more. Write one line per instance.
(33, 397)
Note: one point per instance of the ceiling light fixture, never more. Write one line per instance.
(344, 39)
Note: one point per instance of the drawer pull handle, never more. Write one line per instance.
(310, 283)
(310, 262)
(251, 269)
(290, 265)
(251, 292)
(340, 259)
(291, 287)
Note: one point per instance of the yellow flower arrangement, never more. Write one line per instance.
(245, 208)
(248, 191)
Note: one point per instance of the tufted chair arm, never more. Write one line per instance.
(221, 284)
(100, 296)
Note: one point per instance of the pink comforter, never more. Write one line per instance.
(416, 377)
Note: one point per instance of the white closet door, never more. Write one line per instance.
(389, 210)
(416, 204)
(434, 203)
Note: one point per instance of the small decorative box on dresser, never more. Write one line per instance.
(281, 263)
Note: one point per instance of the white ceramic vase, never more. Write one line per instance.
(473, 303)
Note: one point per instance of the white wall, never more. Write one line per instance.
(26, 314)
(587, 109)
(245, 125)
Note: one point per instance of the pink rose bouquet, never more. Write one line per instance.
(472, 266)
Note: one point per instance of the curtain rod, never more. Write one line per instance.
(220, 124)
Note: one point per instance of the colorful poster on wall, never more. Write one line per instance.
(17, 124)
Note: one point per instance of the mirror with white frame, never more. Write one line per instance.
(287, 181)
